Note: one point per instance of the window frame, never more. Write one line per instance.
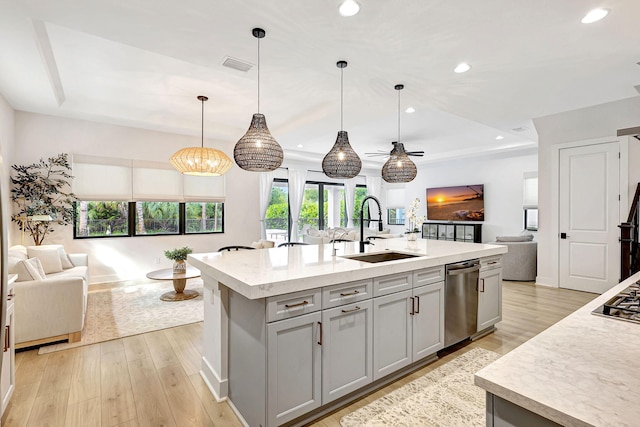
(131, 222)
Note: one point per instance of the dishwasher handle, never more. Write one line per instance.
(463, 270)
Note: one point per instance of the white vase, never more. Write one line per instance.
(412, 237)
(179, 267)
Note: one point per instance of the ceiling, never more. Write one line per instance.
(142, 63)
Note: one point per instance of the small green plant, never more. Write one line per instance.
(179, 254)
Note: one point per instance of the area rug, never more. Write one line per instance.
(131, 310)
(444, 397)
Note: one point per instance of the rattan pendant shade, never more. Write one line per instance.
(341, 161)
(257, 150)
(201, 161)
(399, 167)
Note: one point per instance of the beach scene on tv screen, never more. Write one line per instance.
(460, 203)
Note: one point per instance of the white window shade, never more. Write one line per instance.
(204, 188)
(395, 198)
(530, 198)
(101, 178)
(154, 181)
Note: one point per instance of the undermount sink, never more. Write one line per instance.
(381, 257)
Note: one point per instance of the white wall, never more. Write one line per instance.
(7, 118)
(114, 258)
(594, 122)
(503, 188)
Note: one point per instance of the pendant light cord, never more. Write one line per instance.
(398, 116)
(258, 75)
(341, 97)
(202, 127)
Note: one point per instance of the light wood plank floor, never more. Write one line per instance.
(152, 379)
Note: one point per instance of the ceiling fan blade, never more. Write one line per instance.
(376, 154)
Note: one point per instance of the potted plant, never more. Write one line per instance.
(414, 220)
(179, 258)
(42, 194)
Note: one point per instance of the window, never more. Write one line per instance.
(204, 217)
(323, 206)
(395, 216)
(531, 219)
(100, 219)
(126, 219)
(361, 193)
(157, 218)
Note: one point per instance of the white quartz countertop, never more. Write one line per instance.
(582, 371)
(267, 272)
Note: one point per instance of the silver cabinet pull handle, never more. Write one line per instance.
(348, 294)
(7, 339)
(356, 308)
(492, 262)
(482, 290)
(305, 302)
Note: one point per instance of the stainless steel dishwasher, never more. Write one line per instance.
(460, 301)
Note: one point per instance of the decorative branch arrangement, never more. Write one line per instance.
(43, 188)
(412, 216)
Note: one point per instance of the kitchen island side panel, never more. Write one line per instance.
(247, 357)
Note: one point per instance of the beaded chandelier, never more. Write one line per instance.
(341, 161)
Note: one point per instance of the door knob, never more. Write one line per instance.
(563, 235)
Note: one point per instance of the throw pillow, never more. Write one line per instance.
(35, 263)
(28, 270)
(49, 257)
(266, 244)
(64, 258)
(256, 245)
(313, 232)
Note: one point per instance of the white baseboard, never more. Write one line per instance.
(217, 387)
(546, 281)
(235, 411)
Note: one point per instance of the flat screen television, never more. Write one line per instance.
(460, 203)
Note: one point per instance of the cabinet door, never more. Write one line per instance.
(294, 358)
(8, 378)
(391, 333)
(347, 349)
(428, 320)
(489, 298)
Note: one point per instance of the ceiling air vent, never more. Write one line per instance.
(237, 64)
(520, 129)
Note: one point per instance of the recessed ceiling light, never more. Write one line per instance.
(463, 67)
(595, 15)
(410, 110)
(499, 137)
(349, 8)
(299, 145)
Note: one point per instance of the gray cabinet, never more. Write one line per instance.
(408, 325)
(294, 358)
(392, 334)
(428, 320)
(8, 383)
(347, 349)
(489, 296)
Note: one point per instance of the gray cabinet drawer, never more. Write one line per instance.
(427, 276)
(346, 293)
(490, 262)
(394, 283)
(294, 304)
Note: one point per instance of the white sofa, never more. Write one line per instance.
(52, 309)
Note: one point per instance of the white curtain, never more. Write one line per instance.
(374, 188)
(349, 197)
(266, 181)
(297, 179)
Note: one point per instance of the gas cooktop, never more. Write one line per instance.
(624, 306)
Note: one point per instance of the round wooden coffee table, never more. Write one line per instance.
(179, 283)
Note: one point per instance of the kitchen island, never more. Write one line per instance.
(293, 332)
(582, 371)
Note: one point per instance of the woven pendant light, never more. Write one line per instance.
(341, 161)
(399, 167)
(201, 161)
(257, 150)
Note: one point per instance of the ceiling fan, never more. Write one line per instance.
(386, 153)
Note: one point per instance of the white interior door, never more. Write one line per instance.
(589, 215)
